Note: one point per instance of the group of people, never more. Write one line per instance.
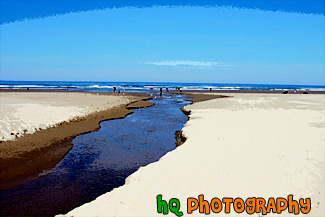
(178, 89)
(119, 92)
(160, 91)
(294, 91)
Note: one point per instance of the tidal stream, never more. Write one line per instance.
(100, 161)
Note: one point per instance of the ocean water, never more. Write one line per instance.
(147, 86)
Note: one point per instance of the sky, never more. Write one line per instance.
(161, 43)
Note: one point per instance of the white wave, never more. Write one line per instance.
(26, 86)
(94, 86)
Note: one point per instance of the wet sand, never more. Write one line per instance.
(246, 145)
(250, 91)
(22, 159)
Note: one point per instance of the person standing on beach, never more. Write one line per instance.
(114, 89)
(160, 91)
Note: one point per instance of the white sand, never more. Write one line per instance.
(23, 111)
(246, 146)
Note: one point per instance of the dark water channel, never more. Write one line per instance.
(100, 161)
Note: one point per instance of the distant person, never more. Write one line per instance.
(160, 91)
(210, 89)
(295, 91)
(114, 89)
(167, 90)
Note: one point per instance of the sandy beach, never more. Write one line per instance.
(27, 112)
(247, 145)
(37, 127)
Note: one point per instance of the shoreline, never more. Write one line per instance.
(20, 164)
(252, 91)
(171, 91)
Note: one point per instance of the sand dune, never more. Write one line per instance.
(249, 145)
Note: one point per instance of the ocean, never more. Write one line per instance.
(146, 86)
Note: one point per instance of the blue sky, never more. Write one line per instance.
(172, 44)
